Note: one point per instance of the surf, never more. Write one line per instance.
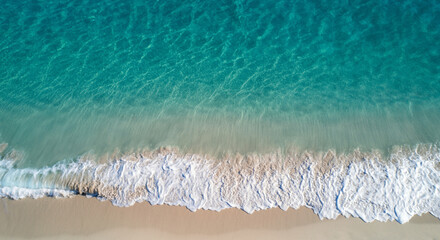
(367, 185)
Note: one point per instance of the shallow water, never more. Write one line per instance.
(82, 78)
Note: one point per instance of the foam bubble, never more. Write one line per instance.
(358, 184)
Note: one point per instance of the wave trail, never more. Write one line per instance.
(359, 184)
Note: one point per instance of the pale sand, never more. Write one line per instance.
(79, 217)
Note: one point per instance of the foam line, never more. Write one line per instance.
(358, 184)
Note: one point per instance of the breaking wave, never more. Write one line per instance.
(367, 185)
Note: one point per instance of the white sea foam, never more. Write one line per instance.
(359, 184)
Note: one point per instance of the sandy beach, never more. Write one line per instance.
(83, 218)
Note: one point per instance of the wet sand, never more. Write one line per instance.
(79, 217)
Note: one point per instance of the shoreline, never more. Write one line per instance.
(358, 184)
(70, 218)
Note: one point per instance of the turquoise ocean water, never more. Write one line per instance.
(219, 78)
